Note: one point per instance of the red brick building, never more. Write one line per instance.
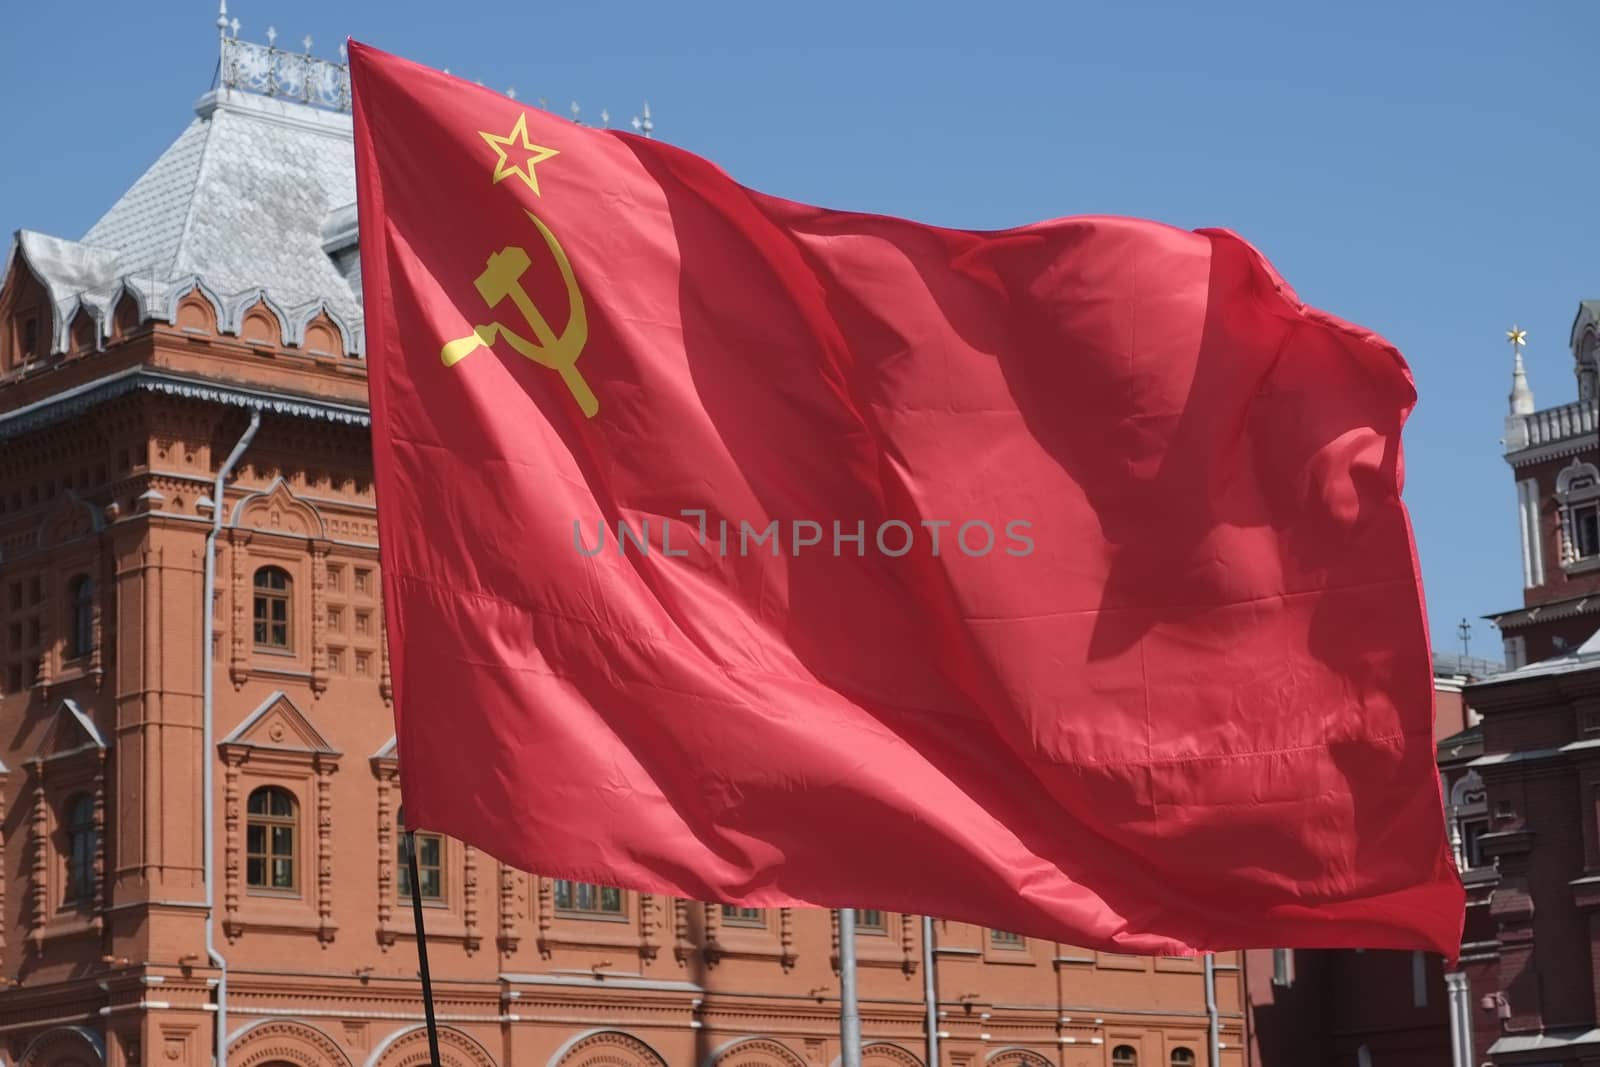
(1552, 452)
(189, 586)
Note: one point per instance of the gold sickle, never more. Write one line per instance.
(502, 278)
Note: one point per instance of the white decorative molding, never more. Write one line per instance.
(272, 71)
(1572, 472)
(1532, 541)
(1552, 433)
(241, 304)
(193, 284)
(302, 317)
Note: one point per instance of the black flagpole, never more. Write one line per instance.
(422, 950)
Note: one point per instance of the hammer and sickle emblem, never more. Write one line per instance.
(502, 279)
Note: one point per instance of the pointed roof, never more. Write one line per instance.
(66, 267)
(70, 730)
(240, 199)
(254, 200)
(1521, 397)
(277, 723)
(145, 226)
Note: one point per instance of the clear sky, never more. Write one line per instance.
(1424, 169)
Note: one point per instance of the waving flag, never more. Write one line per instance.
(1055, 579)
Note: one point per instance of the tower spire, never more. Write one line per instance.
(1521, 396)
(222, 34)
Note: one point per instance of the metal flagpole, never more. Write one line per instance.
(422, 950)
(930, 991)
(849, 1011)
(1214, 1030)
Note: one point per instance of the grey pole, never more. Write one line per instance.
(1461, 1044)
(1214, 1030)
(930, 991)
(849, 1011)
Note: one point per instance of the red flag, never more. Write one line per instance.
(1054, 579)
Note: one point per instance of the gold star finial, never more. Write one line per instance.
(515, 145)
(1518, 339)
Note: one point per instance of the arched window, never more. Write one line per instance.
(271, 828)
(1182, 1057)
(274, 594)
(1124, 1056)
(83, 841)
(81, 641)
(430, 863)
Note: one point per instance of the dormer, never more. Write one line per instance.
(26, 323)
(340, 241)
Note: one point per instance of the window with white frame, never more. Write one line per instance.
(1578, 498)
(1469, 821)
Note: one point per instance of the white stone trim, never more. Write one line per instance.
(1532, 543)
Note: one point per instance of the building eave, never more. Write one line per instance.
(1576, 445)
(1588, 604)
(1546, 1041)
(72, 403)
(1537, 755)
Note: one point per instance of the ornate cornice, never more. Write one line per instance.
(73, 403)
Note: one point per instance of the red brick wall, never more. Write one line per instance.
(1557, 584)
(1449, 713)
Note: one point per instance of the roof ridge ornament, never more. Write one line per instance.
(267, 70)
(642, 124)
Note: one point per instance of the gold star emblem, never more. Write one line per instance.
(1518, 338)
(518, 155)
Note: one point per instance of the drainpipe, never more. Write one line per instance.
(930, 992)
(207, 743)
(1214, 1032)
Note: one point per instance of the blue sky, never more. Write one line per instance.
(1426, 169)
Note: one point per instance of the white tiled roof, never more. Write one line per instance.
(145, 225)
(253, 200)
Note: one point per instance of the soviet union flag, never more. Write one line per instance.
(1054, 579)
